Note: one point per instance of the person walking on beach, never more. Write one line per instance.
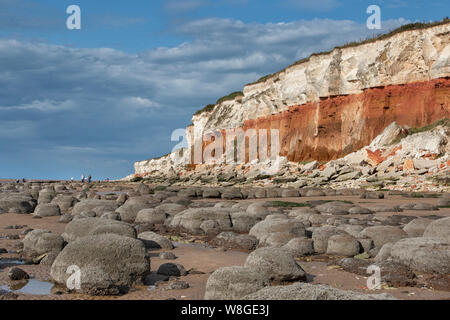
(89, 178)
(82, 178)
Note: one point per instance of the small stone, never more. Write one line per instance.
(172, 269)
(167, 256)
(178, 285)
(17, 274)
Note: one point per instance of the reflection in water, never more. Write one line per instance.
(5, 263)
(31, 286)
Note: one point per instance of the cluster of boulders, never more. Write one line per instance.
(399, 245)
(108, 235)
(109, 253)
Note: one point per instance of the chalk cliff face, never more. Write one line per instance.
(333, 104)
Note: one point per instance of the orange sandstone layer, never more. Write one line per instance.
(336, 126)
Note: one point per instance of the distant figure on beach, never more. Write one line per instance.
(89, 178)
(71, 179)
(83, 178)
(23, 180)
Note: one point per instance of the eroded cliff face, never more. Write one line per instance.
(335, 103)
(335, 126)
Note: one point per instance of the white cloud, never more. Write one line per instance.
(43, 106)
(138, 102)
(314, 5)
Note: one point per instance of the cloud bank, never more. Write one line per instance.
(64, 110)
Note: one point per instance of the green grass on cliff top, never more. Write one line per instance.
(210, 107)
(445, 122)
(406, 27)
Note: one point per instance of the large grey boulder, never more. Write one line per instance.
(277, 230)
(39, 242)
(151, 216)
(439, 229)
(42, 246)
(300, 247)
(230, 194)
(233, 283)
(65, 202)
(171, 209)
(306, 291)
(47, 210)
(351, 229)
(16, 203)
(383, 234)
(243, 221)
(302, 212)
(192, 219)
(109, 264)
(258, 209)
(211, 193)
(289, 193)
(184, 201)
(430, 255)
(321, 236)
(334, 208)
(94, 205)
(188, 193)
(417, 227)
(129, 210)
(343, 245)
(234, 240)
(83, 227)
(153, 240)
(277, 264)
(46, 196)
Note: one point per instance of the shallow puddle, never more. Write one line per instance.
(5, 263)
(31, 286)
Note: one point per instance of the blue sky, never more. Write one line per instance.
(98, 99)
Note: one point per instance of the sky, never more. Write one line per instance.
(98, 99)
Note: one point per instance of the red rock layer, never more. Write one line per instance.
(339, 125)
